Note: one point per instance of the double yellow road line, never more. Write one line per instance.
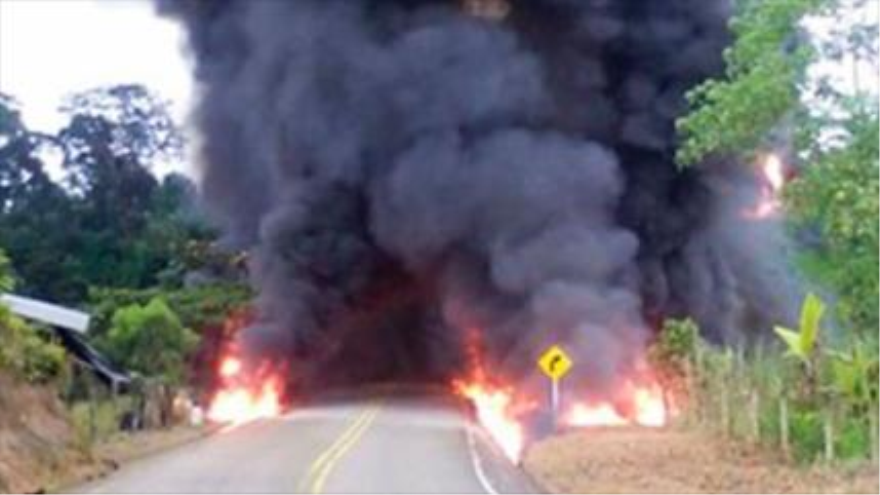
(321, 468)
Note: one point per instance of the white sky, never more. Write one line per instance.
(50, 48)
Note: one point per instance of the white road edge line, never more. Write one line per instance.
(477, 462)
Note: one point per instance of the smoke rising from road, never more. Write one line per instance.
(408, 174)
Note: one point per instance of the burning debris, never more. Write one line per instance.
(643, 404)
(404, 170)
(246, 394)
(495, 411)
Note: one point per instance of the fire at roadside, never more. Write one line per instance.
(247, 392)
(641, 400)
(407, 173)
(509, 415)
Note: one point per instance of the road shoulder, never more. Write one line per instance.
(670, 460)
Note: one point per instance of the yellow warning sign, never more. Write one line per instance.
(555, 363)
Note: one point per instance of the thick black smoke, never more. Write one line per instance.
(413, 174)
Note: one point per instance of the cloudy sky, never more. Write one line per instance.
(49, 48)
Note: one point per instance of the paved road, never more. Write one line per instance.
(381, 445)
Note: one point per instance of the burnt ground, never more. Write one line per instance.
(640, 460)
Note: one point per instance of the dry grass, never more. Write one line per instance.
(638, 460)
(41, 450)
(37, 441)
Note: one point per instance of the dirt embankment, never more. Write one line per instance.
(37, 440)
(638, 460)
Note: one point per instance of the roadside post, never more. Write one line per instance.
(555, 363)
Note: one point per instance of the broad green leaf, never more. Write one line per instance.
(792, 339)
(811, 314)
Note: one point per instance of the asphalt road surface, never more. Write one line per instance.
(374, 445)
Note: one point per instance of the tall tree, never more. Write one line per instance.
(113, 138)
(766, 66)
(833, 130)
(35, 213)
(109, 222)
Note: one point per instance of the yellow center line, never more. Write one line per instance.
(319, 468)
(321, 478)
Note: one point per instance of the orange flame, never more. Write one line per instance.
(230, 366)
(583, 415)
(773, 176)
(644, 405)
(774, 172)
(495, 412)
(494, 405)
(244, 398)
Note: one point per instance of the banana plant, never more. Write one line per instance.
(801, 344)
(854, 375)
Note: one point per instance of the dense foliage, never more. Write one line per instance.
(829, 134)
(817, 382)
(82, 208)
(765, 67)
(149, 340)
(26, 351)
(809, 398)
(89, 221)
(197, 307)
(837, 198)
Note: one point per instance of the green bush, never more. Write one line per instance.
(806, 434)
(25, 352)
(853, 441)
(97, 419)
(196, 307)
(150, 340)
(676, 342)
(6, 280)
(741, 393)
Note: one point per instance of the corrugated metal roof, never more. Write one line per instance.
(48, 313)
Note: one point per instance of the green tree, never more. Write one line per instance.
(197, 307)
(110, 223)
(150, 339)
(37, 219)
(837, 196)
(765, 69)
(113, 137)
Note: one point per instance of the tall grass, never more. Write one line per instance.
(819, 406)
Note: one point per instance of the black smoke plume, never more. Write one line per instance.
(410, 174)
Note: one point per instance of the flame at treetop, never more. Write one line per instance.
(245, 395)
(773, 179)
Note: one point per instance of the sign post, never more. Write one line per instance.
(555, 363)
